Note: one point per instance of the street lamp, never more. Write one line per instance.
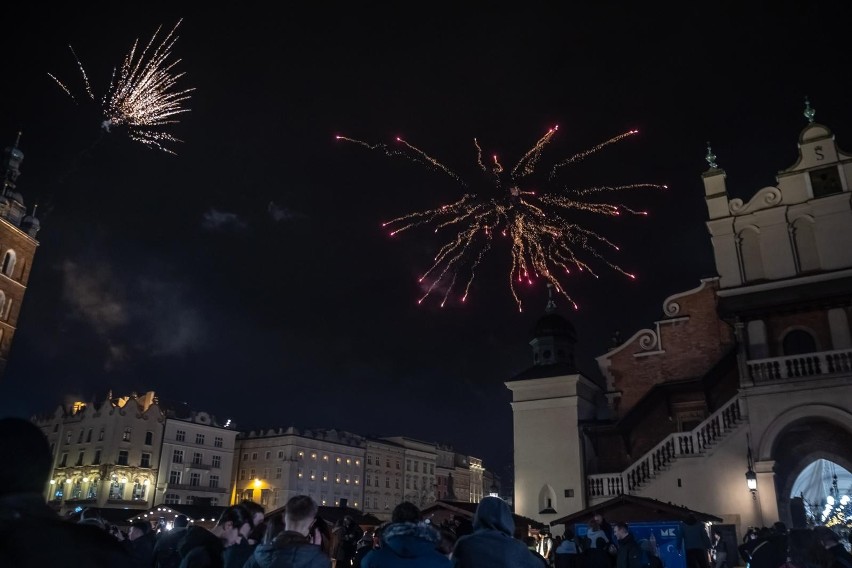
(751, 477)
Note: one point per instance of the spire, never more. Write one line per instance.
(551, 302)
(809, 110)
(710, 157)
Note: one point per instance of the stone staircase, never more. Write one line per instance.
(698, 442)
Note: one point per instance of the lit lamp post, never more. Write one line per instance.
(751, 477)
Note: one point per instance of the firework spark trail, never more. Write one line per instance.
(544, 239)
(142, 95)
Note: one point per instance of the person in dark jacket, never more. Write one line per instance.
(31, 533)
(293, 547)
(696, 542)
(166, 553)
(629, 552)
(492, 543)
(407, 542)
(139, 544)
(201, 548)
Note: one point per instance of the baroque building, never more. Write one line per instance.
(18, 245)
(106, 454)
(748, 373)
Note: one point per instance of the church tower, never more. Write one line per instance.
(548, 401)
(17, 248)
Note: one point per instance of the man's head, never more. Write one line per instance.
(405, 512)
(27, 443)
(234, 524)
(299, 513)
(138, 529)
(621, 530)
(257, 511)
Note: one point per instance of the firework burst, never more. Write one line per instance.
(142, 96)
(545, 241)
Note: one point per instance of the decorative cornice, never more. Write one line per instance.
(764, 199)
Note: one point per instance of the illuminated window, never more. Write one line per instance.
(357, 462)
(347, 479)
(357, 480)
(337, 478)
(300, 474)
(301, 455)
(92, 493)
(325, 476)
(313, 474)
(338, 460)
(325, 458)
(348, 461)
(313, 455)
(125, 436)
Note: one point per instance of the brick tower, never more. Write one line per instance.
(17, 249)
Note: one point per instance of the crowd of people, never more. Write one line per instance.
(33, 535)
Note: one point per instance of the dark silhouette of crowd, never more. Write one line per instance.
(33, 535)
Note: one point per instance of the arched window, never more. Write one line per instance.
(9, 262)
(2, 302)
(798, 342)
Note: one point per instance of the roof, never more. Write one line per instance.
(334, 514)
(630, 508)
(194, 513)
(468, 510)
(554, 325)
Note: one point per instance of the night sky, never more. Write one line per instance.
(249, 275)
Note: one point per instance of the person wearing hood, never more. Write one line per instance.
(293, 547)
(492, 543)
(407, 542)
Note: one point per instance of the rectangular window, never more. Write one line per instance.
(242, 475)
(415, 482)
(387, 463)
(97, 459)
(252, 473)
(216, 462)
(149, 438)
(281, 455)
(337, 478)
(122, 457)
(408, 483)
(145, 461)
(101, 435)
(300, 473)
(416, 467)
(397, 464)
(180, 435)
(377, 481)
(80, 437)
(196, 458)
(199, 439)
(218, 441)
(314, 456)
(174, 477)
(367, 479)
(254, 456)
(172, 499)
(369, 459)
(396, 482)
(80, 457)
(278, 472)
(431, 469)
(89, 436)
(125, 436)
(245, 456)
(407, 465)
(68, 438)
(387, 482)
(268, 455)
(325, 476)
(214, 481)
(313, 474)
(194, 479)
(357, 480)
(346, 479)
(265, 473)
(177, 456)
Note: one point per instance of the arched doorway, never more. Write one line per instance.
(801, 444)
(824, 488)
